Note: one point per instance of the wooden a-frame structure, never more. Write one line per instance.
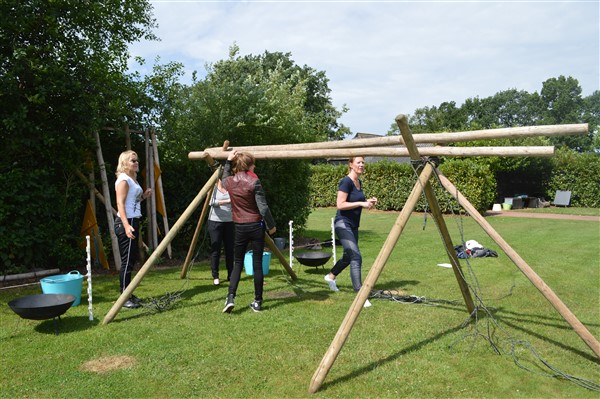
(380, 147)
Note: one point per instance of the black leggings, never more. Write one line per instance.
(128, 249)
(244, 234)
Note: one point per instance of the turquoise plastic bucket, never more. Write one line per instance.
(265, 264)
(70, 283)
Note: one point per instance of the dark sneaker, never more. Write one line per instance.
(256, 306)
(131, 305)
(228, 304)
(135, 299)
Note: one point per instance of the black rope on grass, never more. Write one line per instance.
(491, 325)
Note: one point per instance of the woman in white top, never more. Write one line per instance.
(220, 230)
(129, 197)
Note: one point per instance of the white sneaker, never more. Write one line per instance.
(331, 282)
(216, 281)
(367, 304)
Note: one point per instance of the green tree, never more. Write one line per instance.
(257, 100)
(562, 102)
(62, 76)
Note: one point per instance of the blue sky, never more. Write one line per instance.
(384, 58)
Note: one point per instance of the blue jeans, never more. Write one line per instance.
(244, 233)
(349, 239)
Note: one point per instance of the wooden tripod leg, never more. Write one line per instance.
(363, 294)
(409, 141)
(160, 249)
(536, 280)
(188, 258)
(280, 256)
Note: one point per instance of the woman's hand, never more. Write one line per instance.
(370, 203)
(272, 231)
(129, 232)
(147, 193)
(232, 155)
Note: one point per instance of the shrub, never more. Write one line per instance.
(578, 173)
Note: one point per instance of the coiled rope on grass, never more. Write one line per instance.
(487, 333)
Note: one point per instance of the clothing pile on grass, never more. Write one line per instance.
(473, 249)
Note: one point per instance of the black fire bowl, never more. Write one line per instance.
(42, 306)
(314, 259)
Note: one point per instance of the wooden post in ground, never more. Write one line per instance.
(369, 283)
(159, 188)
(107, 205)
(536, 280)
(401, 120)
(160, 249)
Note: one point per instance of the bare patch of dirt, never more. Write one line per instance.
(108, 363)
(280, 295)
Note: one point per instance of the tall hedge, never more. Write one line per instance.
(391, 183)
(578, 173)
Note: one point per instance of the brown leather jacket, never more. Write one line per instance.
(248, 201)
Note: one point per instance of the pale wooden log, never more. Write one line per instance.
(402, 122)
(282, 260)
(160, 188)
(391, 152)
(190, 254)
(536, 280)
(107, 205)
(160, 249)
(437, 138)
(369, 283)
(149, 226)
(152, 198)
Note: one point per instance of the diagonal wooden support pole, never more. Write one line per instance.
(369, 283)
(536, 280)
(160, 249)
(402, 122)
(188, 258)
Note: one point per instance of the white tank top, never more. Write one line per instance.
(134, 196)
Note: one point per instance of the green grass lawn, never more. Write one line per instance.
(394, 350)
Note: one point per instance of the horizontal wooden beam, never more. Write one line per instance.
(532, 151)
(432, 138)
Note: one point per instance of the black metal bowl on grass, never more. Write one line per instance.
(314, 259)
(42, 306)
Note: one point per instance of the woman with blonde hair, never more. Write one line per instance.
(129, 196)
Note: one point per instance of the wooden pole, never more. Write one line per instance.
(160, 249)
(107, 204)
(518, 151)
(160, 188)
(536, 280)
(369, 283)
(434, 138)
(149, 227)
(152, 198)
(280, 256)
(190, 254)
(402, 122)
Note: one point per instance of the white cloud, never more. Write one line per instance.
(386, 58)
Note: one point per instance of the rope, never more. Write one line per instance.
(491, 324)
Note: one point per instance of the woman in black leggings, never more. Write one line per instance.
(129, 197)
